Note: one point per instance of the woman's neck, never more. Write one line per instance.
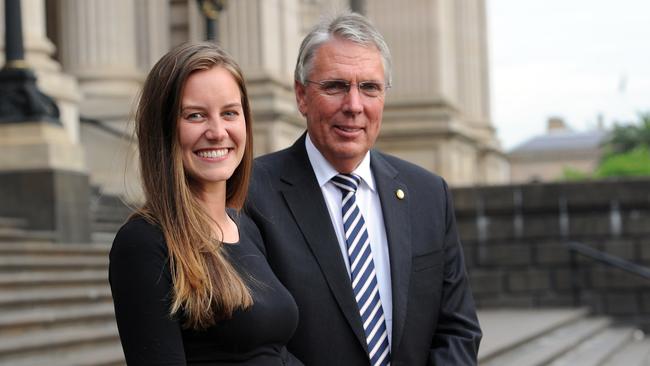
(214, 203)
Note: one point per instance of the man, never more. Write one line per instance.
(365, 242)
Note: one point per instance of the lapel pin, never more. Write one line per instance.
(400, 194)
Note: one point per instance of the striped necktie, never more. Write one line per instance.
(362, 270)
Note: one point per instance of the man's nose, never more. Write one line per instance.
(352, 102)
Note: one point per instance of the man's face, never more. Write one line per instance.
(343, 127)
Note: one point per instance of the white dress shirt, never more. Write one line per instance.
(368, 201)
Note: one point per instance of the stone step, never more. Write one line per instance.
(635, 353)
(549, 346)
(107, 227)
(109, 209)
(111, 216)
(103, 237)
(594, 351)
(56, 306)
(34, 297)
(105, 354)
(10, 280)
(56, 337)
(50, 249)
(16, 234)
(14, 263)
(48, 316)
(13, 222)
(506, 329)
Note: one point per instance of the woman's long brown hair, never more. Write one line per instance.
(206, 286)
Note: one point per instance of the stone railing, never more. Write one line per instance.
(515, 241)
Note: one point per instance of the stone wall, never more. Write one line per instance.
(515, 238)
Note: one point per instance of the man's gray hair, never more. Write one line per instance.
(348, 26)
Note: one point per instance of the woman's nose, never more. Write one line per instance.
(215, 130)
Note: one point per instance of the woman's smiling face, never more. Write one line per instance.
(212, 127)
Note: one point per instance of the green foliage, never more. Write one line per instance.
(627, 152)
(632, 163)
(625, 138)
(574, 175)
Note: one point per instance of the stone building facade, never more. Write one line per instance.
(91, 56)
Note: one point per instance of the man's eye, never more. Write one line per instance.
(335, 86)
(370, 87)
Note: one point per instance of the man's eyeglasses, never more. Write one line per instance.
(337, 88)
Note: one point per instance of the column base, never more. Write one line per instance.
(43, 180)
(51, 200)
(38, 145)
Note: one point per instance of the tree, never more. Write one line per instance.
(627, 137)
(633, 163)
(627, 151)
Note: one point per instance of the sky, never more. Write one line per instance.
(573, 59)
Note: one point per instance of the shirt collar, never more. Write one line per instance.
(325, 171)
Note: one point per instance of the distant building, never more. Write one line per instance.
(546, 157)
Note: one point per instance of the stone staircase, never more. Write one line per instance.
(56, 309)
(558, 337)
(109, 213)
(55, 305)
(12, 229)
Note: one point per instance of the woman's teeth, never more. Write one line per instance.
(212, 153)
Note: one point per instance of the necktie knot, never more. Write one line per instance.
(346, 182)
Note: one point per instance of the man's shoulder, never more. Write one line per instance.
(272, 165)
(407, 169)
(273, 158)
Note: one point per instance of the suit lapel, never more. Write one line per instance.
(398, 234)
(305, 200)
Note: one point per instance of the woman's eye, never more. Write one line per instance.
(230, 115)
(194, 116)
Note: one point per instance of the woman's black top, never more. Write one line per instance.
(141, 284)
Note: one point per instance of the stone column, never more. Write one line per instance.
(473, 68)
(437, 111)
(266, 49)
(98, 46)
(152, 32)
(421, 118)
(474, 90)
(97, 40)
(421, 37)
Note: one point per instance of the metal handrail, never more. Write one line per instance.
(602, 257)
(610, 260)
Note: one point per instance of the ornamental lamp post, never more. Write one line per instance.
(211, 10)
(20, 98)
(358, 6)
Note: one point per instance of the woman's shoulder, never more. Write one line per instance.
(139, 236)
(139, 227)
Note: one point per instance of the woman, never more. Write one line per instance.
(189, 278)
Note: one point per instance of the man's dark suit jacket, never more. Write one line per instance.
(434, 319)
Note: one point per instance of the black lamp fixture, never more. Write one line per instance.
(211, 10)
(20, 98)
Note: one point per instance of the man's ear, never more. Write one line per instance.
(301, 95)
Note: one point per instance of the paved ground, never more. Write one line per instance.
(505, 328)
